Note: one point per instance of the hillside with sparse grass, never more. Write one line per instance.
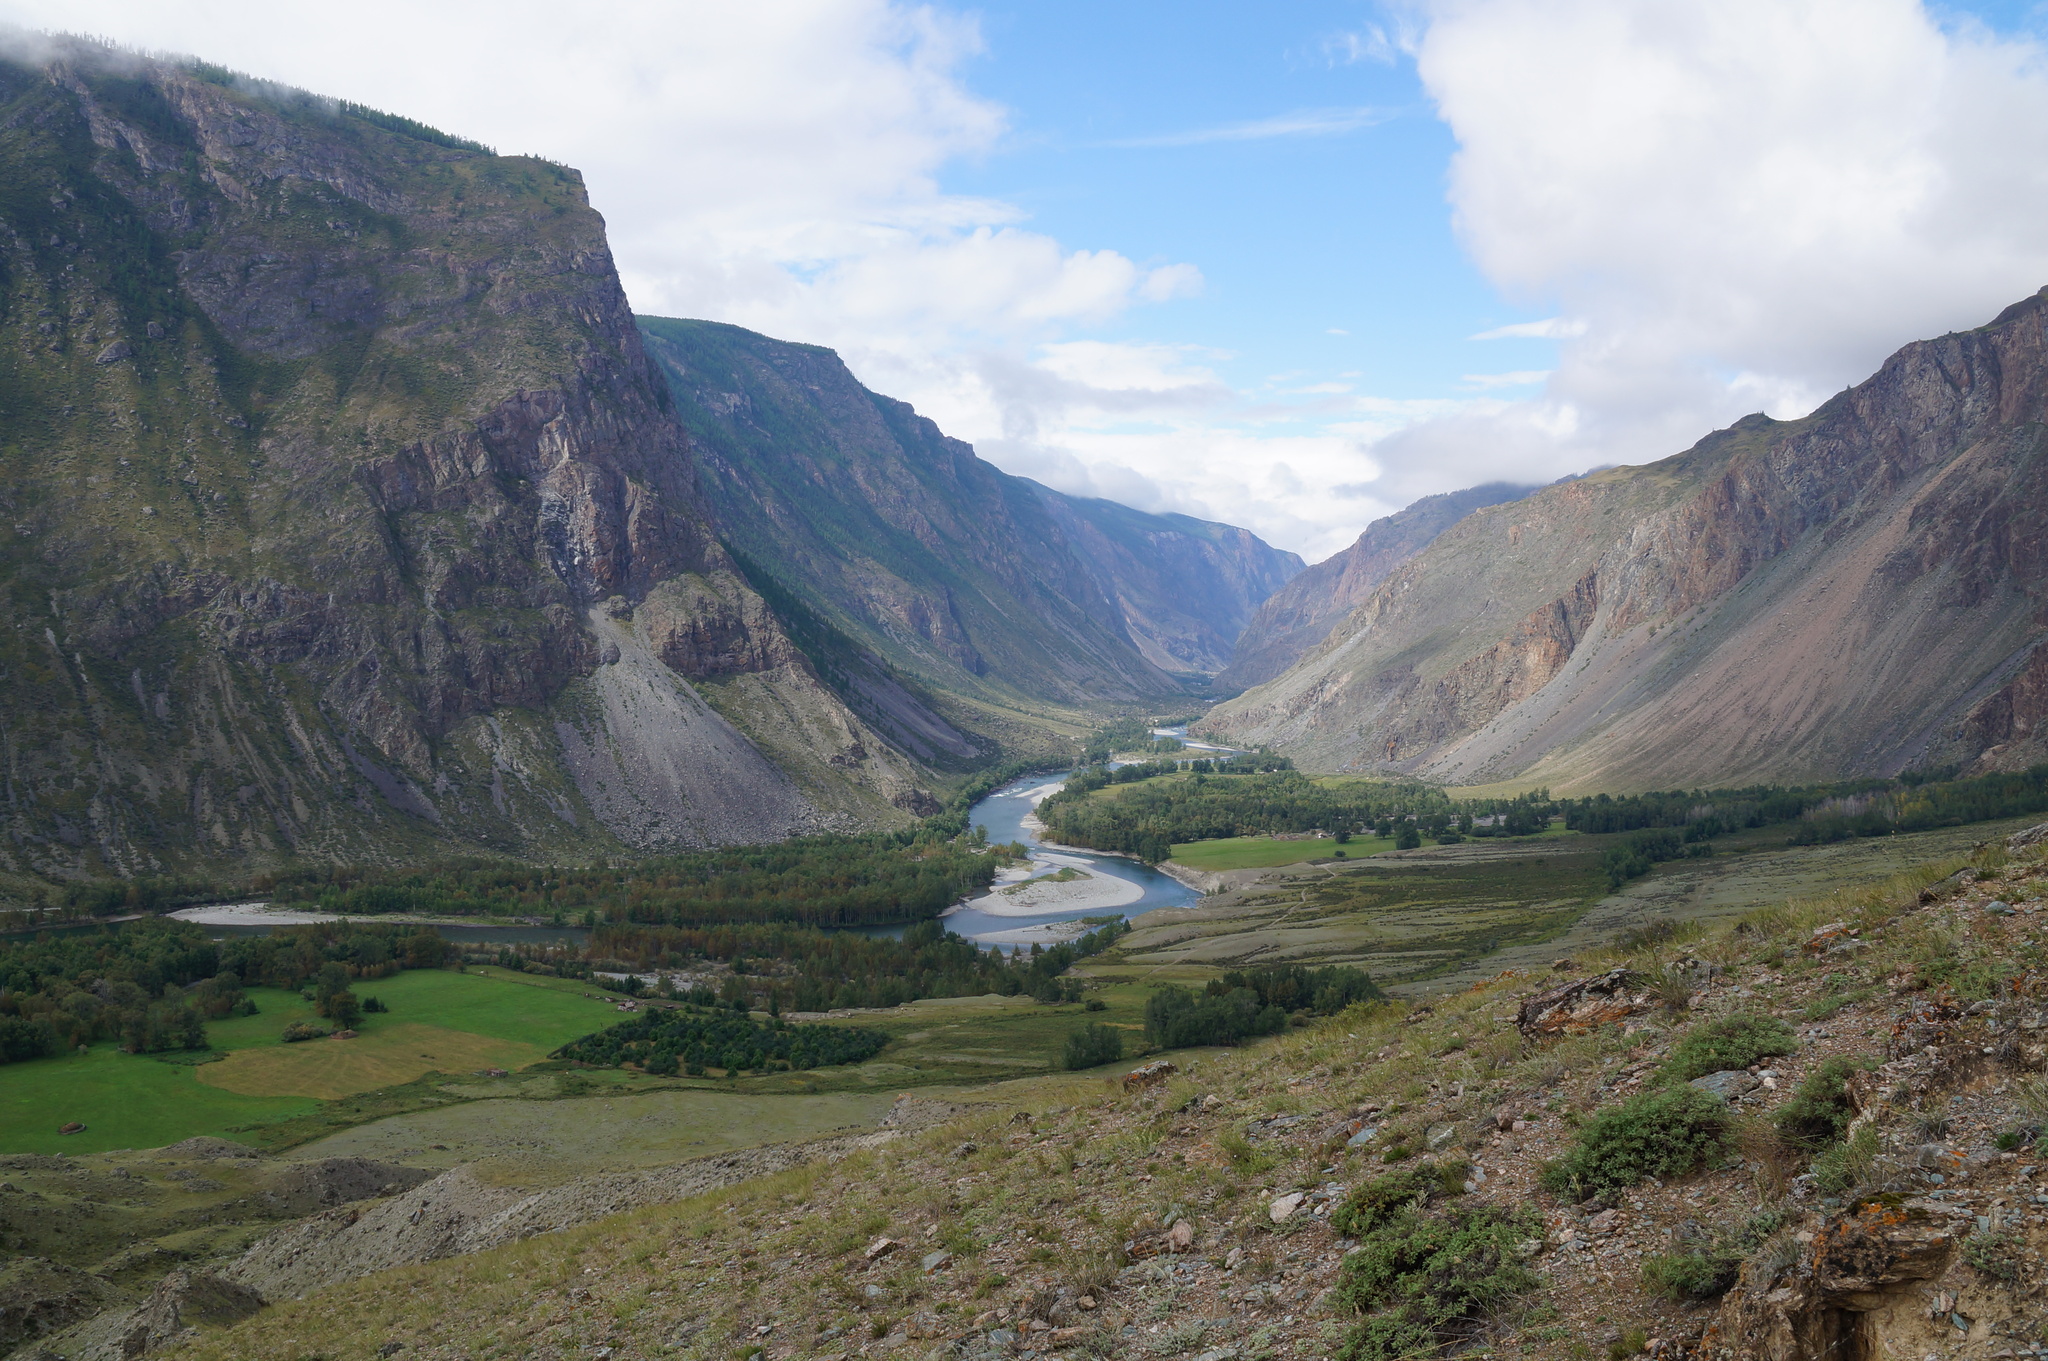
(1808, 1131)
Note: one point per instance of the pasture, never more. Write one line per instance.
(439, 1021)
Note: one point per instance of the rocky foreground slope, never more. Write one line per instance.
(1527, 1168)
(1856, 592)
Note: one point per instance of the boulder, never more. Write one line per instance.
(1582, 1005)
(1284, 1206)
(1730, 1084)
(1149, 1074)
(2031, 836)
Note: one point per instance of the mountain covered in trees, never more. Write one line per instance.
(1856, 592)
(349, 520)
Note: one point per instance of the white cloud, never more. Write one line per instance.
(773, 165)
(1300, 123)
(1740, 204)
(1550, 328)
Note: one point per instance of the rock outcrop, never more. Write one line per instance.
(1856, 592)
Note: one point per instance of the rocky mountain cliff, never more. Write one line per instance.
(347, 517)
(1301, 614)
(1858, 591)
(952, 572)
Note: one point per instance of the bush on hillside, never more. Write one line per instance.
(1731, 1042)
(1376, 1202)
(1658, 1134)
(1430, 1279)
(1820, 1110)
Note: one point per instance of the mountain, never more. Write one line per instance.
(351, 521)
(1186, 587)
(348, 517)
(1859, 591)
(1301, 614)
(961, 577)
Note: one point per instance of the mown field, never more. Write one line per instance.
(1262, 852)
(439, 1022)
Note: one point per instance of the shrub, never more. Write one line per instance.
(1431, 1279)
(1995, 1253)
(1657, 1134)
(373, 1006)
(1375, 1202)
(1845, 1167)
(1699, 1274)
(302, 1030)
(1731, 1042)
(1820, 1109)
(1093, 1045)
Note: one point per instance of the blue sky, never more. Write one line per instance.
(1231, 259)
(1158, 129)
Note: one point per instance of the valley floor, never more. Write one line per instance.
(1072, 1217)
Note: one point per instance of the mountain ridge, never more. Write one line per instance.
(1854, 592)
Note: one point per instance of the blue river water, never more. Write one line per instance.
(1005, 816)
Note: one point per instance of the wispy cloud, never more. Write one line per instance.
(1516, 379)
(1550, 328)
(1300, 123)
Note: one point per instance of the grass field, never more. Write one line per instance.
(439, 1022)
(1264, 852)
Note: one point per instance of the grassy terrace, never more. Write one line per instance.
(424, 1059)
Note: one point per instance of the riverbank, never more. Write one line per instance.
(266, 915)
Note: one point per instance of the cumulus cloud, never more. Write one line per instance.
(1740, 205)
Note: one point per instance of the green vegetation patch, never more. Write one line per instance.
(881, 879)
(124, 1101)
(697, 1039)
(1733, 1041)
(1264, 852)
(1374, 1203)
(1429, 1281)
(1657, 1134)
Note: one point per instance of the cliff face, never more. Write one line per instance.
(920, 557)
(1301, 614)
(346, 515)
(1186, 587)
(1860, 591)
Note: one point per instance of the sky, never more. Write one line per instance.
(1289, 265)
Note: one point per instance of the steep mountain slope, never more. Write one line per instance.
(1859, 591)
(1301, 614)
(348, 517)
(962, 577)
(1187, 587)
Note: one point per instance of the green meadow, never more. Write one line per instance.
(439, 1022)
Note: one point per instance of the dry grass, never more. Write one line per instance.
(331, 1068)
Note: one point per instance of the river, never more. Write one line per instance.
(1115, 887)
(1006, 816)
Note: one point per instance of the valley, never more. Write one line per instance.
(535, 829)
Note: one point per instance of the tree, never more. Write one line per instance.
(1407, 837)
(343, 1009)
(1091, 1045)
